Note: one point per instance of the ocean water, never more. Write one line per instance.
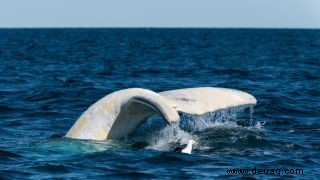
(48, 77)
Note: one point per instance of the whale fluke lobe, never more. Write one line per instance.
(118, 114)
(198, 101)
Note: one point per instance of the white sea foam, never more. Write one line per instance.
(161, 140)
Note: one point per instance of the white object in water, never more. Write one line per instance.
(118, 114)
(188, 148)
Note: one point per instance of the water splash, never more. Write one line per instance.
(233, 117)
(164, 137)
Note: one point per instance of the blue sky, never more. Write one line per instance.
(161, 13)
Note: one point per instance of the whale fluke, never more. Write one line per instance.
(118, 114)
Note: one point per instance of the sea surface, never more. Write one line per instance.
(48, 77)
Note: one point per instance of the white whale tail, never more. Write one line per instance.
(118, 114)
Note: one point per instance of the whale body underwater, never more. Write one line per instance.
(118, 114)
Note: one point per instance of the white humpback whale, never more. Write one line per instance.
(118, 114)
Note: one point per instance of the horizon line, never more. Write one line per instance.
(155, 27)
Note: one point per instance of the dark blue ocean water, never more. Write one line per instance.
(48, 77)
